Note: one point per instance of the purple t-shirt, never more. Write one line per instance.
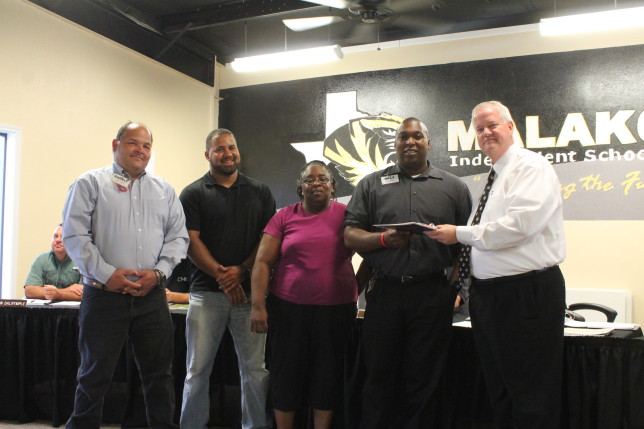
(314, 266)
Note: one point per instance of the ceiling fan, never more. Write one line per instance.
(367, 11)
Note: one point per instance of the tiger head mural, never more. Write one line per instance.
(362, 146)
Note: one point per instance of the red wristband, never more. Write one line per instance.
(382, 239)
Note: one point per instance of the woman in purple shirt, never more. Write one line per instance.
(312, 301)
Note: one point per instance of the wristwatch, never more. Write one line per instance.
(161, 279)
(245, 270)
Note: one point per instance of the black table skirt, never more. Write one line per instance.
(39, 361)
(603, 378)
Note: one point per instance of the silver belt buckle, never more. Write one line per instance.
(93, 283)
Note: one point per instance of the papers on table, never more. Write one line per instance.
(48, 303)
(65, 304)
(602, 325)
(416, 227)
(585, 332)
(44, 303)
(575, 328)
(37, 302)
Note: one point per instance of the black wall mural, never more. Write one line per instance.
(583, 110)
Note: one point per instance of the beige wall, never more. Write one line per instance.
(600, 254)
(69, 90)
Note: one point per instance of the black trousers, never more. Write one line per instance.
(405, 336)
(106, 321)
(518, 332)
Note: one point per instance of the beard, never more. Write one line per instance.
(228, 170)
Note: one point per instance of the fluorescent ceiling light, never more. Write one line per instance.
(590, 22)
(286, 59)
(338, 4)
(303, 24)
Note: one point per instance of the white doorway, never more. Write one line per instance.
(9, 162)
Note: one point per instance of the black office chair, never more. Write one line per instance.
(608, 312)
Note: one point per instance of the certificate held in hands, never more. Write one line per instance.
(415, 227)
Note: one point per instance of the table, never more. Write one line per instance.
(40, 358)
(603, 384)
(603, 378)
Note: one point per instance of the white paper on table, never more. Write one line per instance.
(602, 325)
(66, 304)
(37, 302)
(584, 332)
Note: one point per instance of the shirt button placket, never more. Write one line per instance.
(138, 221)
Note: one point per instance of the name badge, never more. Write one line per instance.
(122, 182)
(388, 180)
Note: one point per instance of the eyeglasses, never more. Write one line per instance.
(311, 180)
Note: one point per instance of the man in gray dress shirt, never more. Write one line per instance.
(407, 325)
(125, 230)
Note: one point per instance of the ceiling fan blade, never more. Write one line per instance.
(362, 34)
(338, 4)
(303, 24)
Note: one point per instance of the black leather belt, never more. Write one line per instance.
(407, 280)
(505, 279)
(88, 281)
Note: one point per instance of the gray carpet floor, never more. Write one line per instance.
(40, 425)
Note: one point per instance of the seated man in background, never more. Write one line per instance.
(177, 288)
(53, 275)
(462, 304)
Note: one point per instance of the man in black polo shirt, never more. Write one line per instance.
(407, 324)
(226, 213)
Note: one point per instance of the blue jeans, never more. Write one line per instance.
(209, 314)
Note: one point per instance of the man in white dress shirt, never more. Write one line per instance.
(517, 296)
